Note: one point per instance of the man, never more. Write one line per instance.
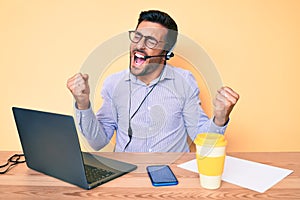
(153, 107)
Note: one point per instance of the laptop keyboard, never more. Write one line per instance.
(94, 174)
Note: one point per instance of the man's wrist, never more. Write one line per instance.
(220, 122)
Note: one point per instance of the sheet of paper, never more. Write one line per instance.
(252, 175)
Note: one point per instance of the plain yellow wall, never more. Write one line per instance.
(254, 44)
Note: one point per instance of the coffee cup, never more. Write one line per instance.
(210, 155)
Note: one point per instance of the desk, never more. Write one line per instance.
(24, 183)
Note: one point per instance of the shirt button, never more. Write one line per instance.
(149, 108)
(150, 150)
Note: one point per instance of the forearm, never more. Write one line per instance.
(206, 125)
(91, 129)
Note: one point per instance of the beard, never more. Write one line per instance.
(146, 70)
(149, 66)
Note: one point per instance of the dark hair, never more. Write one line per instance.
(163, 19)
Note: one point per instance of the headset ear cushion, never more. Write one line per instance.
(169, 55)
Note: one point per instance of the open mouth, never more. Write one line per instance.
(139, 58)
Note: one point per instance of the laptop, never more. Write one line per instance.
(51, 146)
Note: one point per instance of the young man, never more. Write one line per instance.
(153, 106)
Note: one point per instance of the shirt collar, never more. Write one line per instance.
(168, 74)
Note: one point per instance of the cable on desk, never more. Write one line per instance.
(12, 161)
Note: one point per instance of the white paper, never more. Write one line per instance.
(252, 175)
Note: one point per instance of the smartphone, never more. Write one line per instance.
(161, 175)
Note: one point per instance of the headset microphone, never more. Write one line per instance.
(167, 56)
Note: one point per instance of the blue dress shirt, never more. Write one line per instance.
(168, 115)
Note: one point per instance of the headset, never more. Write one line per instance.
(167, 56)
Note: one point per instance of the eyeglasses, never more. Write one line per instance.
(149, 41)
(12, 161)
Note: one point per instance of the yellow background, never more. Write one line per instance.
(254, 44)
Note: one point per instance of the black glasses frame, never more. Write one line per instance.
(12, 161)
(148, 39)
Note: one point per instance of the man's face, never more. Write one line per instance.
(139, 66)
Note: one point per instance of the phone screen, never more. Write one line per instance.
(161, 175)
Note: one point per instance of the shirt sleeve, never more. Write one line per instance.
(91, 129)
(213, 128)
(196, 120)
